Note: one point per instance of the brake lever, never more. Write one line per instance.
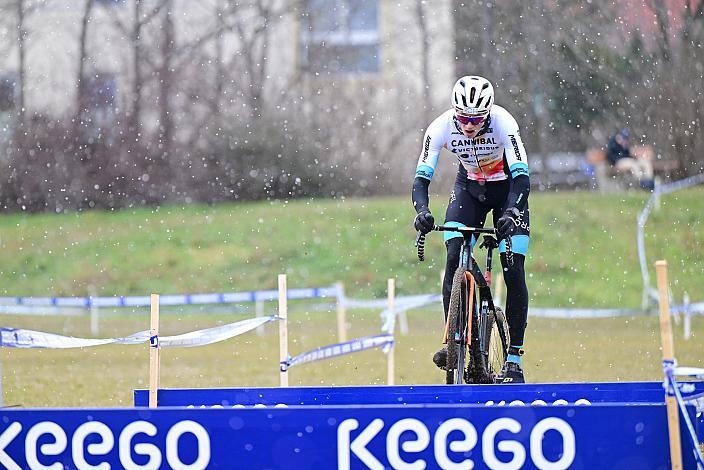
(420, 244)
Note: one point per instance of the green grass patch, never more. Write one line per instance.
(583, 249)
(619, 349)
(583, 254)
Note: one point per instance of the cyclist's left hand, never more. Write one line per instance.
(507, 223)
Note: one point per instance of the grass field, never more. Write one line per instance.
(582, 254)
(558, 351)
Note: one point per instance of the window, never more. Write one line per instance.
(8, 87)
(340, 36)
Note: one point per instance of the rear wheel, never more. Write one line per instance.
(456, 328)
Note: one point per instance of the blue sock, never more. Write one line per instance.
(514, 357)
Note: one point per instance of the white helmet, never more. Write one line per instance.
(473, 95)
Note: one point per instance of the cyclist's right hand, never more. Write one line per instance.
(424, 221)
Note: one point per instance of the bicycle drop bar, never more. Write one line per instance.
(420, 239)
(452, 228)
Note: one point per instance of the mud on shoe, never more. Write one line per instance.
(440, 358)
(511, 373)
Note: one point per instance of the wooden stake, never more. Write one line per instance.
(259, 312)
(668, 354)
(154, 349)
(283, 331)
(341, 314)
(391, 290)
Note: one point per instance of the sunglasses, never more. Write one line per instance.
(474, 120)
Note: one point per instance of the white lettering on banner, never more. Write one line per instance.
(569, 444)
(6, 437)
(392, 441)
(358, 446)
(125, 445)
(465, 445)
(178, 430)
(53, 448)
(101, 448)
(150, 450)
(507, 446)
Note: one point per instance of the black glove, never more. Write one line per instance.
(507, 223)
(424, 221)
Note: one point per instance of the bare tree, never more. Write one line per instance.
(424, 58)
(81, 74)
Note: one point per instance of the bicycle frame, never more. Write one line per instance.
(484, 303)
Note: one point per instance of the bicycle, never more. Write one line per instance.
(488, 342)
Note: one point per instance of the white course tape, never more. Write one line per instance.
(213, 335)
(689, 371)
(19, 338)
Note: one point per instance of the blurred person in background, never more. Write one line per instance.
(624, 158)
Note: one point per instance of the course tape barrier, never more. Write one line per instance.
(339, 349)
(171, 300)
(28, 305)
(20, 338)
(417, 301)
(670, 369)
(650, 294)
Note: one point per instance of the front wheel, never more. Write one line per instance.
(457, 328)
(496, 345)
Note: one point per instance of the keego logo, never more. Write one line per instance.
(79, 451)
(468, 440)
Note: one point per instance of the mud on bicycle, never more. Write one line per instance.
(476, 331)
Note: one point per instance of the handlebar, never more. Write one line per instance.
(466, 232)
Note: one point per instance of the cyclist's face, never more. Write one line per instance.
(470, 125)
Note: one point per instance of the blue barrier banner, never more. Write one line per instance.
(377, 437)
(562, 393)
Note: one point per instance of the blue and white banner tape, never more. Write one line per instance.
(582, 312)
(340, 349)
(168, 300)
(19, 338)
(697, 308)
(41, 311)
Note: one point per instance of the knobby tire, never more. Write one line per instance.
(496, 331)
(457, 294)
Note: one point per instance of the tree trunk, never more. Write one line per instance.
(166, 81)
(424, 67)
(80, 78)
(21, 33)
(136, 97)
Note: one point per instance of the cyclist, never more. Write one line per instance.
(492, 176)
